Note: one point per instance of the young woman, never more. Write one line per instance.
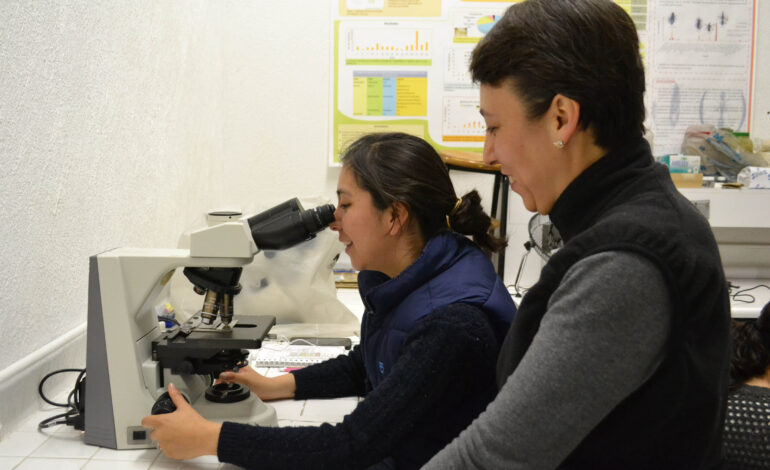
(436, 313)
(618, 356)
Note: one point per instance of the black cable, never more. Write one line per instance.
(742, 293)
(48, 422)
(74, 415)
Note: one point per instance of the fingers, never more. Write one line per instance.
(240, 377)
(176, 396)
(227, 377)
(149, 421)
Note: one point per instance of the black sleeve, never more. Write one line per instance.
(343, 376)
(458, 335)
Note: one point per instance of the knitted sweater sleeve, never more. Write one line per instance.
(343, 376)
(577, 369)
(378, 425)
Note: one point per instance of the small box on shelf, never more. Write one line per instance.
(687, 180)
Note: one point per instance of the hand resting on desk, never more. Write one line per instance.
(266, 388)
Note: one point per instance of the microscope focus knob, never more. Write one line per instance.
(186, 367)
(164, 404)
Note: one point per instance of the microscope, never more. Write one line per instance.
(130, 359)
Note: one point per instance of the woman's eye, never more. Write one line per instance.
(491, 130)
(344, 206)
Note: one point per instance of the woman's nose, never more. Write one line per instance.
(487, 153)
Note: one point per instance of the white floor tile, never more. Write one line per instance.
(288, 409)
(331, 411)
(66, 444)
(47, 464)
(165, 465)
(8, 463)
(117, 465)
(21, 444)
(204, 459)
(289, 424)
(132, 455)
(185, 465)
(30, 423)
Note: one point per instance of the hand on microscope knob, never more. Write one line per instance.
(265, 388)
(164, 404)
(183, 434)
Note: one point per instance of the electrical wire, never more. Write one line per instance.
(742, 296)
(74, 415)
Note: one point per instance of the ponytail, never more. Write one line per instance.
(468, 218)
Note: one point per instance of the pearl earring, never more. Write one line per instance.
(559, 144)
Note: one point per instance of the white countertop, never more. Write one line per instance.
(62, 447)
(748, 296)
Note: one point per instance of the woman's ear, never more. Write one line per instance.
(399, 218)
(565, 114)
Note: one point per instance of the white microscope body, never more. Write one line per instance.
(125, 375)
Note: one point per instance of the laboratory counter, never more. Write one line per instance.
(62, 447)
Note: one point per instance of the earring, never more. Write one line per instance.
(559, 144)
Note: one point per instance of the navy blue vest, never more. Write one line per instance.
(627, 202)
(450, 269)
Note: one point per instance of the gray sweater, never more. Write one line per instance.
(577, 369)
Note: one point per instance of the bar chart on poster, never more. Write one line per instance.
(383, 45)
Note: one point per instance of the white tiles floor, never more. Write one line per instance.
(61, 447)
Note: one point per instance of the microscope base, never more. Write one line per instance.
(249, 411)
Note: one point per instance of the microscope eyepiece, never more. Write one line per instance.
(288, 224)
(319, 218)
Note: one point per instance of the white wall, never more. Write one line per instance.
(121, 121)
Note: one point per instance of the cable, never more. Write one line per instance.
(742, 293)
(75, 415)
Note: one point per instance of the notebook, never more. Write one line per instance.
(293, 355)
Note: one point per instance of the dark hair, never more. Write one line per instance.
(586, 50)
(397, 167)
(751, 348)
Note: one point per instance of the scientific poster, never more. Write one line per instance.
(700, 69)
(402, 65)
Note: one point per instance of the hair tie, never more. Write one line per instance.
(453, 212)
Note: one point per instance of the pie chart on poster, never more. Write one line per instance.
(485, 23)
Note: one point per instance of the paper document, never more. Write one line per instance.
(293, 356)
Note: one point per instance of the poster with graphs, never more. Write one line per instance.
(700, 69)
(402, 66)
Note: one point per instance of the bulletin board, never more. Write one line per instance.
(402, 66)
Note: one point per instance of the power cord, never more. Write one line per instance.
(741, 295)
(75, 415)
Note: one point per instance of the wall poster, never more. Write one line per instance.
(402, 65)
